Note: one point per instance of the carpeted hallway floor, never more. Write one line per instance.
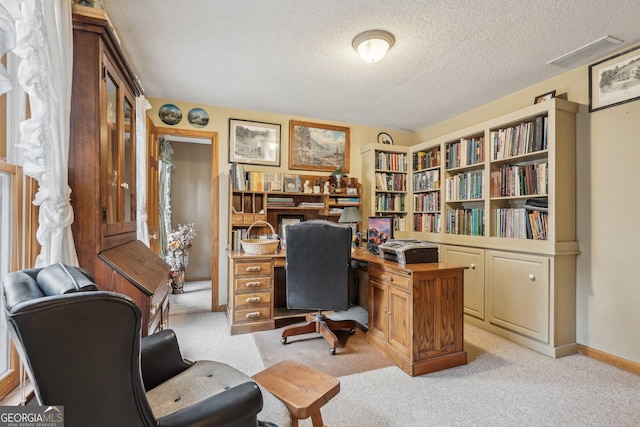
(503, 384)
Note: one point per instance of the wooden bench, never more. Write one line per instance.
(303, 389)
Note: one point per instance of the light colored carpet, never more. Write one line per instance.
(353, 355)
(503, 384)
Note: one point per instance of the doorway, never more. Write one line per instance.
(188, 136)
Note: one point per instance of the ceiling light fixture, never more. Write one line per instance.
(373, 45)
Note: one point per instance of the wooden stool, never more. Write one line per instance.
(303, 389)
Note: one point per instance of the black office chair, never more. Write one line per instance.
(317, 274)
(82, 349)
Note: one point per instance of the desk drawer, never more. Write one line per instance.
(254, 298)
(390, 276)
(252, 268)
(247, 284)
(252, 314)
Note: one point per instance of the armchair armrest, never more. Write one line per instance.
(160, 358)
(237, 407)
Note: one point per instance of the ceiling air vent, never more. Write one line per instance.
(585, 52)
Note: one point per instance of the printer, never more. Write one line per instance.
(408, 251)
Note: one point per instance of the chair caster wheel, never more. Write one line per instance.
(283, 340)
(332, 351)
(352, 331)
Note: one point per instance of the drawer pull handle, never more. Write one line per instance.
(532, 277)
(254, 269)
(253, 299)
(472, 266)
(386, 278)
(252, 284)
(253, 315)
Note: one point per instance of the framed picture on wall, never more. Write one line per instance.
(319, 147)
(254, 143)
(615, 80)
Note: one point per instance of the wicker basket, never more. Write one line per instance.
(259, 246)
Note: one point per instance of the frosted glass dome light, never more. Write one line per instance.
(373, 45)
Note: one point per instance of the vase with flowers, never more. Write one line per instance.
(177, 256)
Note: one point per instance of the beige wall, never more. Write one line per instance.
(608, 290)
(608, 149)
(191, 202)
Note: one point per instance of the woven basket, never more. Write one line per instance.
(259, 246)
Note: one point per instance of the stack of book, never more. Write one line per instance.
(274, 202)
(311, 205)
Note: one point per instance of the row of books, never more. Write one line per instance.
(237, 235)
(391, 181)
(524, 138)
(468, 222)
(520, 180)
(429, 223)
(464, 186)
(264, 181)
(426, 180)
(522, 223)
(390, 202)
(467, 151)
(426, 202)
(426, 159)
(391, 161)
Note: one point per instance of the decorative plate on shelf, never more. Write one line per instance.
(170, 114)
(385, 138)
(198, 117)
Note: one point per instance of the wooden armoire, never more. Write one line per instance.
(102, 171)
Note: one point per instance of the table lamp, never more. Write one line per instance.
(338, 174)
(351, 215)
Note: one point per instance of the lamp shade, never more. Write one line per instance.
(338, 172)
(373, 45)
(350, 214)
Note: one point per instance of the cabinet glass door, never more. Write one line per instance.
(128, 184)
(112, 209)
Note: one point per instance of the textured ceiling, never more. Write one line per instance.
(295, 57)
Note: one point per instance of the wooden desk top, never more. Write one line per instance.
(360, 254)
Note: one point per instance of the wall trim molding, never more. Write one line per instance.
(610, 359)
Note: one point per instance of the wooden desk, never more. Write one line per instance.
(415, 311)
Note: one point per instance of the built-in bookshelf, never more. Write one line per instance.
(385, 170)
(508, 211)
(426, 189)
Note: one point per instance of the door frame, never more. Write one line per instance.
(215, 220)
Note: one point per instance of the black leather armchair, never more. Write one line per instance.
(82, 349)
(317, 269)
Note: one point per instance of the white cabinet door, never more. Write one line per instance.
(518, 293)
(473, 276)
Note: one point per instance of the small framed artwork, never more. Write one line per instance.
(290, 184)
(615, 80)
(544, 97)
(319, 147)
(254, 143)
(385, 138)
(352, 191)
(283, 222)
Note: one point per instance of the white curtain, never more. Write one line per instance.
(9, 14)
(142, 105)
(164, 183)
(44, 42)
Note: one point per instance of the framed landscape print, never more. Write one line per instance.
(615, 80)
(318, 147)
(254, 143)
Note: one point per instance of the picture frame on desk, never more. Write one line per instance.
(318, 147)
(254, 143)
(615, 80)
(283, 222)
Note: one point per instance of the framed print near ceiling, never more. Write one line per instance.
(318, 147)
(615, 80)
(254, 143)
